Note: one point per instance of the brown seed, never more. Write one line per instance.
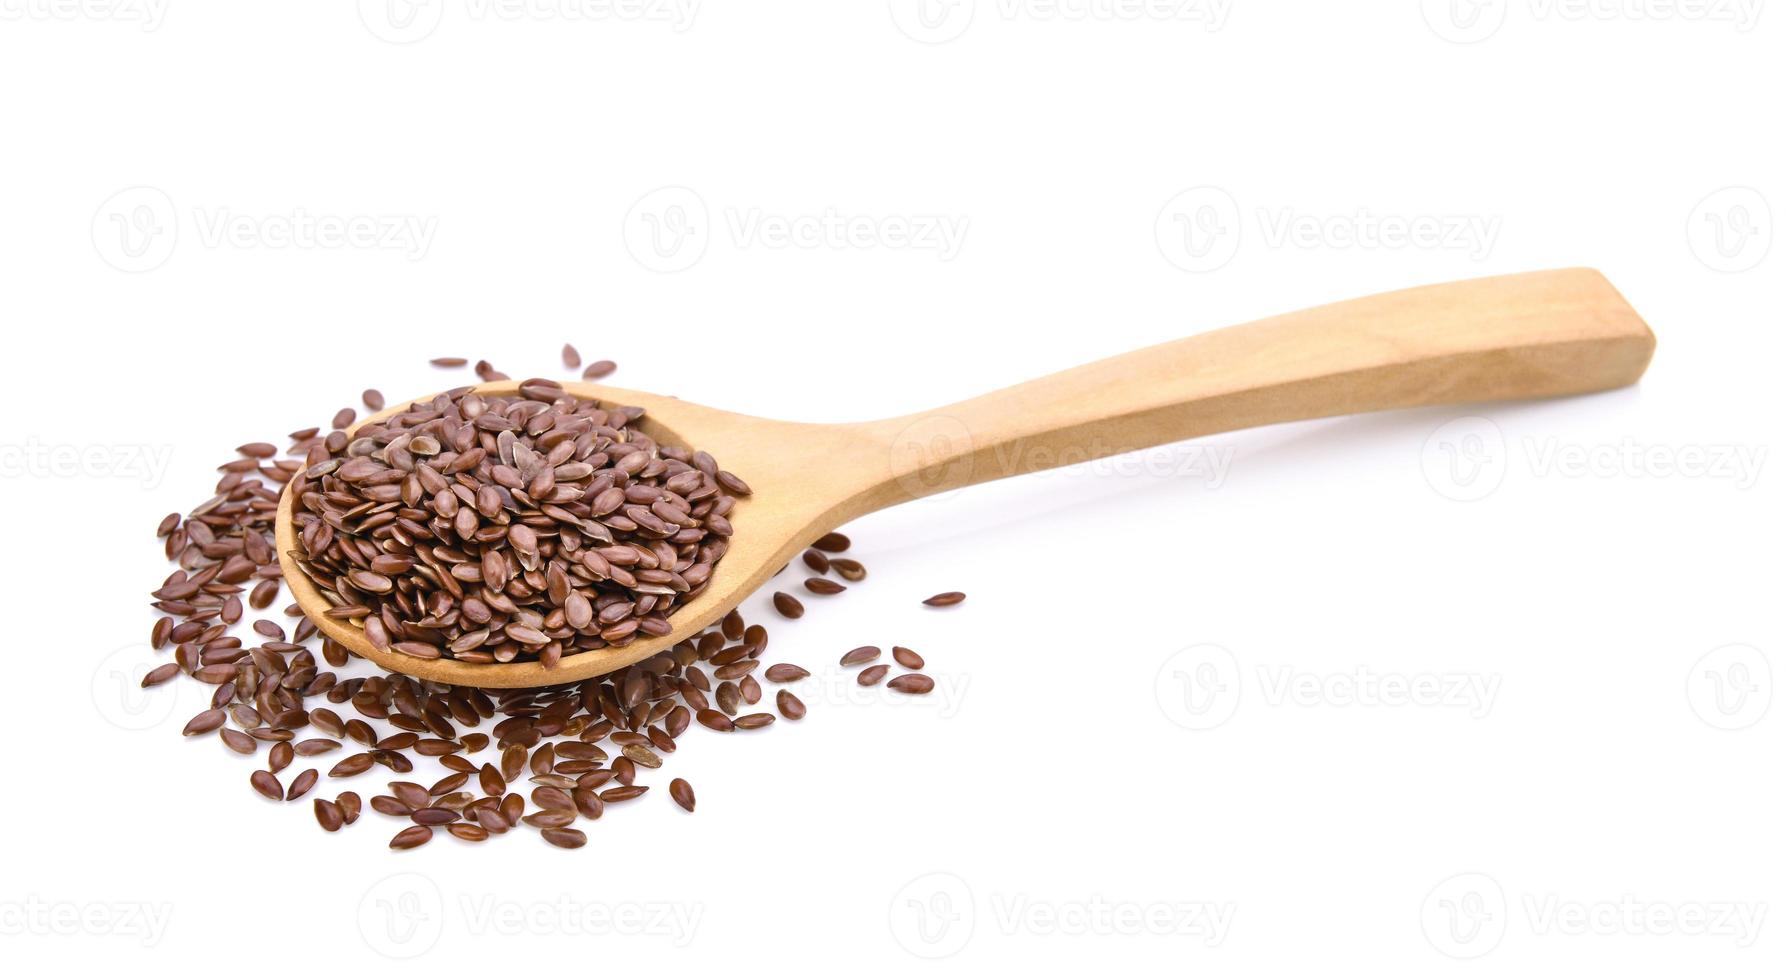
(912, 684)
(301, 785)
(569, 838)
(238, 741)
(279, 756)
(161, 674)
(410, 837)
(833, 542)
(823, 586)
(328, 814)
(550, 818)
(349, 803)
(208, 720)
(168, 524)
(849, 570)
(433, 816)
(786, 673)
(468, 832)
(714, 720)
(449, 362)
(908, 658)
(316, 746)
(342, 419)
(871, 676)
(619, 794)
(791, 707)
(353, 765)
(788, 606)
(945, 599)
(683, 794)
(572, 359)
(860, 655)
(373, 398)
(599, 369)
(266, 784)
(761, 719)
(816, 560)
(640, 755)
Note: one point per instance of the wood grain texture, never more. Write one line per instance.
(1534, 335)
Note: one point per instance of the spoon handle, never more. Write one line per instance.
(1533, 335)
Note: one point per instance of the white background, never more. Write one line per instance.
(1620, 619)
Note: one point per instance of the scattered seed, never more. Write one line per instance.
(833, 542)
(600, 369)
(849, 569)
(449, 362)
(411, 837)
(945, 599)
(569, 838)
(683, 794)
(912, 684)
(791, 707)
(823, 586)
(266, 784)
(788, 606)
(871, 676)
(301, 785)
(373, 398)
(907, 658)
(786, 673)
(572, 359)
(859, 656)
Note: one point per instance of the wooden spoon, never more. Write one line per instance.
(1534, 335)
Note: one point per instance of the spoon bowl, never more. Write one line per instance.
(1533, 335)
